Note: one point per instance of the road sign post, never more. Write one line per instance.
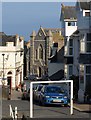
(61, 81)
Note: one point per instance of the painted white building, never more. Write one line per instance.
(11, 59)
(68, 20)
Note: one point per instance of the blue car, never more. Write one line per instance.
(53, 95)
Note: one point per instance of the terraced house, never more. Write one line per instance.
(78, 45)
(84, 28)
(11, 59)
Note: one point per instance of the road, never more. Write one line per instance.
(40, 111)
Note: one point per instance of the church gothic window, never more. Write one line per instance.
(40, 52)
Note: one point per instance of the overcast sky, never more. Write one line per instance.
(23, 17)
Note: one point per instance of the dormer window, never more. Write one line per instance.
(71, 23)
(87, 14)
(55, 45)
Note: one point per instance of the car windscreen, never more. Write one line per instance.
(54, 90)
(39, 88)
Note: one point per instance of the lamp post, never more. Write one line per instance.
(3, 65)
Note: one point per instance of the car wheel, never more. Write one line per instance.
(43, 103)
(40, 103)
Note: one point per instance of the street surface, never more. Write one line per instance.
(40, 111)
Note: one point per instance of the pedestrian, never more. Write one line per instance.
(24, 87)
(19, 87)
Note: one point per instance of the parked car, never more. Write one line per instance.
(36, 92)
(53, 95)
(26, 95)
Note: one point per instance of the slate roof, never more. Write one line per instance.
(69, 12)
(58, 57)
(76, 33)
(84, 5)
(53, 30)
(57, 76)
(43, 32)
(6, 38)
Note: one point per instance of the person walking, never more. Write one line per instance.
(24, 87)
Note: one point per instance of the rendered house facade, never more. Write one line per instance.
(68, 20)
(83, 23)
(78, 62)
(11, 62)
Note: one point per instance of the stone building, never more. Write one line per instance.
(41, 45)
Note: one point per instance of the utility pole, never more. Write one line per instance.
(3, 65)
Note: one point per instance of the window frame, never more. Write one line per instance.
(70, 65)
(71, 47)
(88, 42)
(71, 23)
(87, 14)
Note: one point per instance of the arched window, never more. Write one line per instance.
(40, 52)
(36, 53)
(9, 72)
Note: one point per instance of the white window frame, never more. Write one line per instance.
(70, 47)
(85, 74)
(84, 11)
(71, 22)
(72, 69)
(86, 43)
(62, 81)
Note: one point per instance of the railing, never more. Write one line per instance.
(13, 114)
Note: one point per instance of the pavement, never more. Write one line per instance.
(16, 95)
(82, 107)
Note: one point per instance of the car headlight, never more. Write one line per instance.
(65, 96)
(47, 96)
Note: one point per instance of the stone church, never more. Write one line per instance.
(41, 45)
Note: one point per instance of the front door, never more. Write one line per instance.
(9, 82)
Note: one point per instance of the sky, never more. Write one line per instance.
(24, 17)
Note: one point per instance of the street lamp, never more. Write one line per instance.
(3, 65)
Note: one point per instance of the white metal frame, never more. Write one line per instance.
(61, 81)
(12, 114)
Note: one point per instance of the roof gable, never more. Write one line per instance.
(68, 12)
(7, 38)
(84, 5)
(40, 35)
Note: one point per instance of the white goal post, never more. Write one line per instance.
(61, 81)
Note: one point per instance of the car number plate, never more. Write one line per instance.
(56, 100)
